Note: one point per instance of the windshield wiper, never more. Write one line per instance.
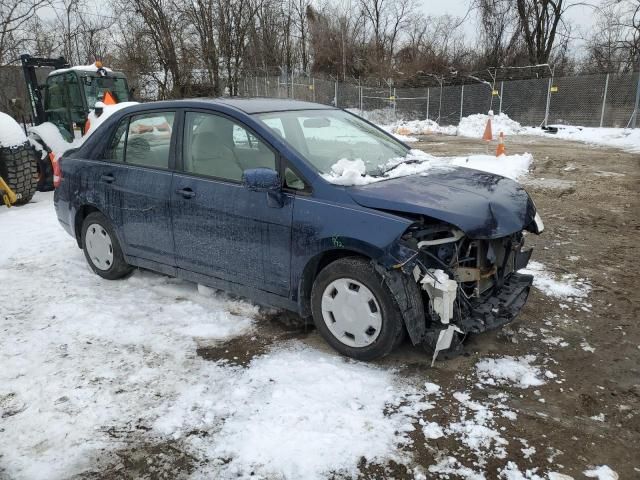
(403, 162)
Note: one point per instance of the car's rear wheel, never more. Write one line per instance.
(102, 249)
(354, 310)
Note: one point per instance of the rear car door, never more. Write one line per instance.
(221, 228)
(137, 182)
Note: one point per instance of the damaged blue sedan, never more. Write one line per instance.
(302, 207)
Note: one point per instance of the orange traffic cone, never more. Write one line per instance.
(108, 98)
(501, 150)
(488, 135)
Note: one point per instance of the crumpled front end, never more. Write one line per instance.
(467, 285)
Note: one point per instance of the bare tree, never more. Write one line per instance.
(539, 20)
(614, 44)
(500, 32)
(203, 15)
(14, 18)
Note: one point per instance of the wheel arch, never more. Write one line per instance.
(313, 268)
(82, 213)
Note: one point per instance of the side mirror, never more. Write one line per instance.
(261, 180)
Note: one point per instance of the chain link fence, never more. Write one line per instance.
(599, 100)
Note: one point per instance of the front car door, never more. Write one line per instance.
(221, 228)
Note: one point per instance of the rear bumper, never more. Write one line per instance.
(500, 308)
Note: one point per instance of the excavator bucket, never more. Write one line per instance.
(8, 196)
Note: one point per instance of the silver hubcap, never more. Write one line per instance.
(351, 312)
(99, 246)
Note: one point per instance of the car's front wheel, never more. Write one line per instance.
(354, 310)
(102, 249)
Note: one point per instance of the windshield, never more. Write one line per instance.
(95, 86)
(325, 137)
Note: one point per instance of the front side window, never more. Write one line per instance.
(219, 147)
(149, 139)
(324, 137)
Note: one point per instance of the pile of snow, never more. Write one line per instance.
(51, 136)
(11, 133)
(474, 125)
(422, 127)
(509, 370)
(568, 287)
(349, 172)
(624, 138)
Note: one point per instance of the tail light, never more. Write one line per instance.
(57, 171)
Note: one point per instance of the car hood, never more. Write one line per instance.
(481, 204)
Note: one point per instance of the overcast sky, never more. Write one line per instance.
(580, 16)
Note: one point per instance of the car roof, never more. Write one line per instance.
(257, 105)
(263, 105)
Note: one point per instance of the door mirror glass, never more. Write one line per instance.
(261, 180)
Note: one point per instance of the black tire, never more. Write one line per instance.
(118, 267)
(18, 167)
(392, 328)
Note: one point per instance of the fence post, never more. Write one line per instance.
(501, 90)
(440, 105)
(335, 93)
(292, 87)
(428, 103)
(604, 99)
(546, 110)
(257, 92)
(461, 101)
(360, 90)
(313, 87)
(395, 104)
(635, 110)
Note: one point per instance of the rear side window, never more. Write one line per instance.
(115, 151)
(149, 139)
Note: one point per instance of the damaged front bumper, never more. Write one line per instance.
(465, 285)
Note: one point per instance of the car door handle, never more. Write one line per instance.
(107, 178)
(186, 192)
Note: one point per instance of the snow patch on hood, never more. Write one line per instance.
(11, 133)
(348, 172)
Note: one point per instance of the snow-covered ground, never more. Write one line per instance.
(89, 367)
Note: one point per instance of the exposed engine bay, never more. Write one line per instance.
(467, 285)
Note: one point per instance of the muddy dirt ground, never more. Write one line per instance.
(588, 199)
